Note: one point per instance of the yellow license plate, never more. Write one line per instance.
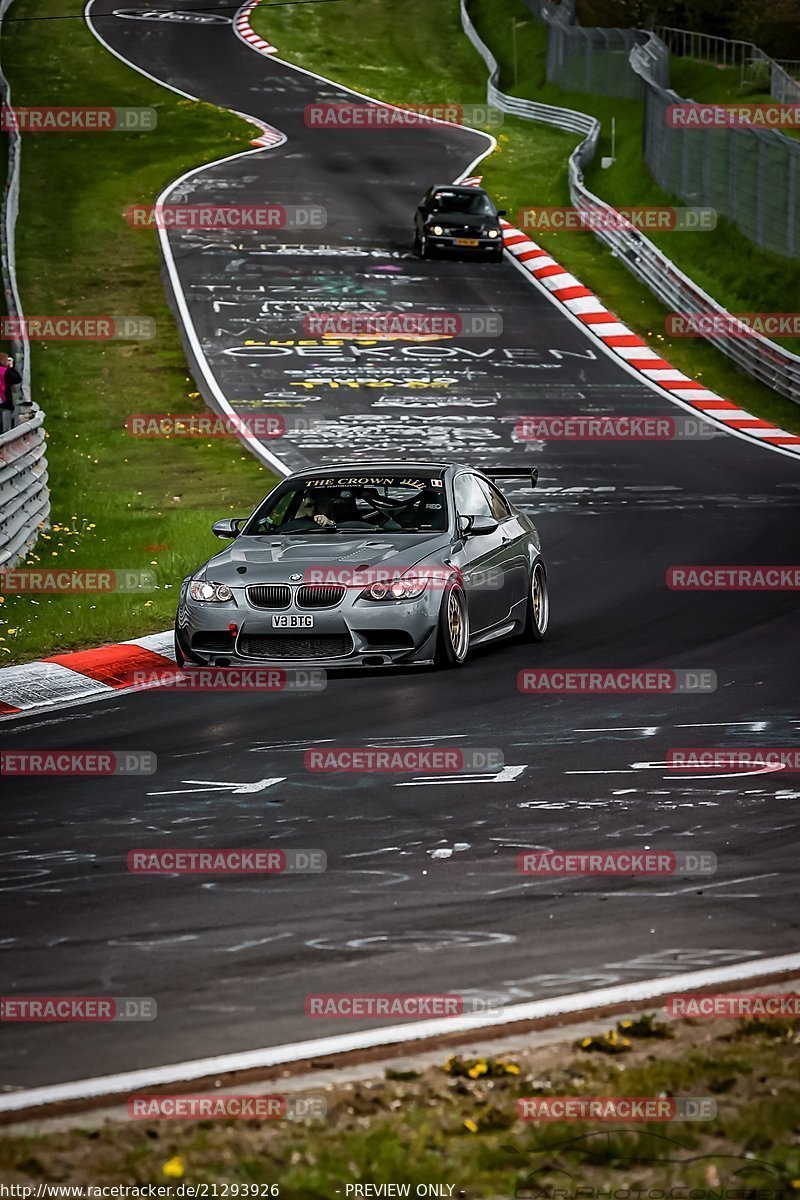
(467, 242)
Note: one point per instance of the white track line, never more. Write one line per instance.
(248, 6)
(269, 1056)
(644, 990)
(216, 391)
(211, 381)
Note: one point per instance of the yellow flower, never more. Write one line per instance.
(471, 1126)
(625, 1024)
(174, 1169)
(586, 1042)
(480, 1068)
(512, 1068)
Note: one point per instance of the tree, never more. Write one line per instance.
(775, 27)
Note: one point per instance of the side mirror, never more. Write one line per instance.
(476, 526)
(501, 212)
(228, 528)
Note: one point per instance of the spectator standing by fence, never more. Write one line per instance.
(9, 378)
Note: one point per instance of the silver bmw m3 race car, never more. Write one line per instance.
(368, 565)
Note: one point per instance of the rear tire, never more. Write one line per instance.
(538, 616)
(452, 634)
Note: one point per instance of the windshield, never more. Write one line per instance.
(353, 504)
(475, 204)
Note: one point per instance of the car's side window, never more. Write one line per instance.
(278, 514)
(471, 500)
(497, 503)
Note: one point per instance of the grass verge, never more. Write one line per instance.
(118, 501)
(456, 1124)
(416, 52)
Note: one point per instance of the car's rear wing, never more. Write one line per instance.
(531, 473)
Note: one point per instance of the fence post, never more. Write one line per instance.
(733, 167)
(684, 165)
(760, 173)
(791, 202)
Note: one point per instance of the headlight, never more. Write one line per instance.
(210, 593)
(437, 229)
(494, 233)
(405, 587)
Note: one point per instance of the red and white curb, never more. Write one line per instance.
(245, 33)
(67, 678)
(638, 357)
(270, 136)
(244, 30)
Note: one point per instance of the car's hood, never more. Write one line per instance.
(462, 220)
(272, 560)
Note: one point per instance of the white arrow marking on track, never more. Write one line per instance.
(504, 776)
(211, 785)
(768, 769)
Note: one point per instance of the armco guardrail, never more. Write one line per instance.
(758, 356)
(24, 495)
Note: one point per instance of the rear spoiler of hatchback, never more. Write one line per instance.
(531, 473)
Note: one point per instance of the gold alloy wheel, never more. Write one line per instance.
(540, 601)
(457, 624)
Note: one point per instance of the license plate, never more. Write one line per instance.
(467, 242)
(285, 621)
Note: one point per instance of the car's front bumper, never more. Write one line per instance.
(353, 634)
(456, 244)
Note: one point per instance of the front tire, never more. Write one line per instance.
(182, 656)
(179, 658)
(538, 617)
(420, 245)
(452, 635)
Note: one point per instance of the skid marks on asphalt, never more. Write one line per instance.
(668, 961)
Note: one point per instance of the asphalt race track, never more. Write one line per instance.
(422, 892)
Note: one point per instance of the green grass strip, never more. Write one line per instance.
(117, 501)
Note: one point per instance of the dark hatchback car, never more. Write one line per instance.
(460, 219)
